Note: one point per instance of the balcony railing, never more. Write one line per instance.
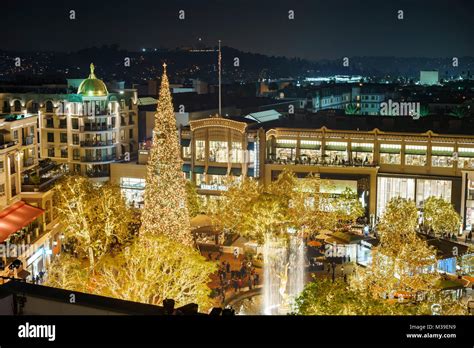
(323, 162)
(97, 112)
(106, 158)
(99, 174)
(28, 140)
(91, 143)
(44, 184)
(7, 144)
(96, 127)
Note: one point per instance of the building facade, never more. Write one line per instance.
(85, 130)
(377, 164)
(29, 230)
(44, 132)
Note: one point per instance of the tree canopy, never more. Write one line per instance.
(253, 210)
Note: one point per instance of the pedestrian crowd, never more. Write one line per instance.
(245, 278)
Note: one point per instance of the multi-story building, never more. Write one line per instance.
(365, 98)
(18, 152)
(29, 231)
(86, 130)
(45, 131)
(379, 158)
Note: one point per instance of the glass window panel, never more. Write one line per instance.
(236, 152)
(427, 187)
(388, 188)
(200, 150)
(218, 151)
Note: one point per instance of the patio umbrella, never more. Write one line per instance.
(314, 243)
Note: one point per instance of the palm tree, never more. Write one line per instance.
(458, 111)
(352, 109)
(424, 111)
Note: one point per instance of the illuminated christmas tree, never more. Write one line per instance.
(165, 210)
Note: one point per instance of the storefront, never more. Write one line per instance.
(467, 264)
(36, 263)
(133, 190)
(467, 204)
(417, 189)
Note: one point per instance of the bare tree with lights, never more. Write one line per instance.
(95, 217)
(440, 215)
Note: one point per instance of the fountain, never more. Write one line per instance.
(283, 277)
(283, 272)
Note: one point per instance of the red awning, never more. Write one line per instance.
(16, 217)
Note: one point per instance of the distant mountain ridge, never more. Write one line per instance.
(184, 64)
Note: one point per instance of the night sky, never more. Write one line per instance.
(321, 29)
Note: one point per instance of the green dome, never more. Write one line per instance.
(92, 86)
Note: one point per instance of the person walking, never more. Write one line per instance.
(240, 283)
(242, 271)
(223, 295)
(250, 282)
(227, 266)
(235, 284)
(236, 253)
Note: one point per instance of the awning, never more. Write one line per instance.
(251, 146)
(217, 170)
(250, 172)
(186, 168)
(15, 217)
(198, 169)
(314, 243)
(236, 171)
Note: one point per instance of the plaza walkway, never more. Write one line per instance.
(235, 266)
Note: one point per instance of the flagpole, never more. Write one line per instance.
(220, 81)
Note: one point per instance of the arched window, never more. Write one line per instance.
(49, 106)
(6, 106)
(32, 107)
(17, 106)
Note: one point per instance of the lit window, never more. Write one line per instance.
(218, 151)
(200, 150)
(466, 157)
(438, 188)
(286, 150)
(388, 188)
(390, 154)
(442, 156)
(236, 152)
(336, 152)
(362, 153)
(186, 151)
(310, 151)
(415, 155)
